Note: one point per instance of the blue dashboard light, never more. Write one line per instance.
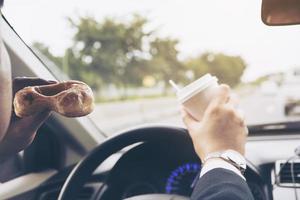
(181, 169)
(188, 167)
(181, 179)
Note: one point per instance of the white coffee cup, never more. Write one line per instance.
(196, 96)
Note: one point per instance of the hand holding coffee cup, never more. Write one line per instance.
(210, 115)
(221, 127)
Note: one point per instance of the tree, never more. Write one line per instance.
(123, 54)
(164, 63)
(112, 49)
(228, 69)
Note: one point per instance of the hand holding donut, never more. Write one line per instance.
(34, 99)
(69, 98)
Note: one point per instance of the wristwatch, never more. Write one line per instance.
(230, 156)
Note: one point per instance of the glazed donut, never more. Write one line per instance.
(69, 98)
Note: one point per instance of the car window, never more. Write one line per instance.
(127, 50)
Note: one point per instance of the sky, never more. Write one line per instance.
(233, 27)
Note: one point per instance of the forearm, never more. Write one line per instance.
(9, 147)
(21, 133)
(5, 91)
(219, 184)
(5, 111)
(7, 150)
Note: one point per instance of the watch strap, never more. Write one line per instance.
(241, 166)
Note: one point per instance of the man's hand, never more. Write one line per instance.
(221, 128)
(22, 131)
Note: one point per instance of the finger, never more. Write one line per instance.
(31, 81)
(188, 120)
(236, 114)
(240, 113)
(21, 82)
(222, 95)
(246, 130)
(233, 100)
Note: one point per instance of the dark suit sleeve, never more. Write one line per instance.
(221, 184)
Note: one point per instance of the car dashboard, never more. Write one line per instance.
(147, 168)
(160, 168)
(154, 168)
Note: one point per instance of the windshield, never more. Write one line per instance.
(127, 50)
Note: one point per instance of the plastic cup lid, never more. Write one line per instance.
(195, 87)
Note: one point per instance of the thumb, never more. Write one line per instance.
(188, 119)
(35, 121)
(40, 118)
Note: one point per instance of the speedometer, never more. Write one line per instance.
(181, 179)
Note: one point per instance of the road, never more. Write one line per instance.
(115, 116)
(261, 108)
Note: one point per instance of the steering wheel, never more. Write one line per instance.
(84, 169)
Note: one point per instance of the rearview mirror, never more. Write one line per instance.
(280, 12)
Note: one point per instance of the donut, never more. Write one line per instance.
(69, 98)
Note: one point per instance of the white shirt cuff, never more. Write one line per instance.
(214, 163)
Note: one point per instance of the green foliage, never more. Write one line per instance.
(112, 49)
(122, 53)
(228, 69)
(164, 63)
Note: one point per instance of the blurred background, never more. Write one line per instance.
(127, 50)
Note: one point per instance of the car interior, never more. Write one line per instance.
(72, 158)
